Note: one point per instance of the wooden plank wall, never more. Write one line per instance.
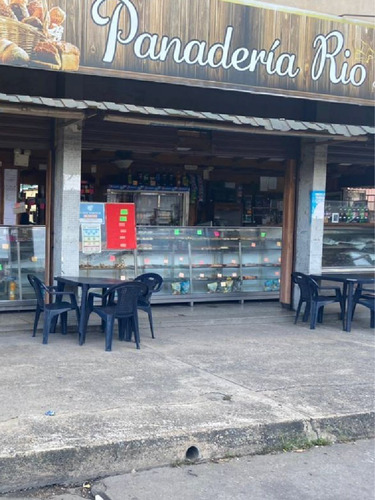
(208, 20)
(164, 139)
(25, 132)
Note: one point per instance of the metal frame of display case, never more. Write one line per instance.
(199, 264)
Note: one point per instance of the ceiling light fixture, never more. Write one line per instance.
(123, 164)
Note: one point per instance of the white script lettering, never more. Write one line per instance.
(355, 75)
(155, 47)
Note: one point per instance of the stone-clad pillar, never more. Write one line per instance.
(310, 222)
(67, 196)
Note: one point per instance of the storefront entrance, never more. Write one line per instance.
(209, 208)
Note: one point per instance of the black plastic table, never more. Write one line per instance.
(349, 280)
(85, 284)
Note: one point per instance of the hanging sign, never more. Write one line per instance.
(121, 230)
(243, 45)
(317, 199)
(91, 213)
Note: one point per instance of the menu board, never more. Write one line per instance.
(91, 238)
(10, 195)
(121, 231)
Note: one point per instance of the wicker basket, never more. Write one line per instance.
(23, 35)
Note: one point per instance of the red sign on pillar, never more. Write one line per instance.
(121, 231)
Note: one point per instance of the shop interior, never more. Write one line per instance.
(222, 190)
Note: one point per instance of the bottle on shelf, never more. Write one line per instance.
(171, 180)
(344, 215)
(341, 214)
(164, 180)
(12, 290)
(350, 214)
(362, 214)
(366, 215)
(356, 214)
(327, 213)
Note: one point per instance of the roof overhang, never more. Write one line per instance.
(80, 110)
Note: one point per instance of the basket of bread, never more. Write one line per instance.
(31, 35)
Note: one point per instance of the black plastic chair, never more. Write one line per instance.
(154, 282)
(52, 310)
(365, 296)
(319, 301)
(310, 295)
(301, 280)
(119, 302)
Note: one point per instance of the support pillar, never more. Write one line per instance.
(67, 197)
(289, 217)
(310, 218)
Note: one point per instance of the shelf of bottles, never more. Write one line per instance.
(87, 191)
(346, 212)
(158, 180)
(199, 263)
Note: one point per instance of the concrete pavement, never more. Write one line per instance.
(219, 380)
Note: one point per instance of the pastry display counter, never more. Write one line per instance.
(198, 263)
(348, 247)
(22, 251)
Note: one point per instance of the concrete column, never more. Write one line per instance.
(67, 196)
(309, 227)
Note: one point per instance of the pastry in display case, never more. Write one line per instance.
(350, 247)
(165, 251)
(199, 263)
(261, 259)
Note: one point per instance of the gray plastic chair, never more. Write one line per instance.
(120, 302)
(365, 296)
(154, 282)
(53, 309)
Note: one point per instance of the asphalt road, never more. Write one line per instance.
(337, 472)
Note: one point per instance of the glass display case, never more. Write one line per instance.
(199, 263)
(22, 252)
(348, 248)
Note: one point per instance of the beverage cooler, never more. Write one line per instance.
(167, 206)
(22, 252)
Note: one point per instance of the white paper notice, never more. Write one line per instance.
(91, 238)
(268, 183)
(10, 195)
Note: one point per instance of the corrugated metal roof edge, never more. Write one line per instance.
(270, 124)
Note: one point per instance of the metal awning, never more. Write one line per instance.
(72, 109)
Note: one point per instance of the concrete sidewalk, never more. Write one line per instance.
(219, 380)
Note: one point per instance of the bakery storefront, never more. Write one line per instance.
(116, 105)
